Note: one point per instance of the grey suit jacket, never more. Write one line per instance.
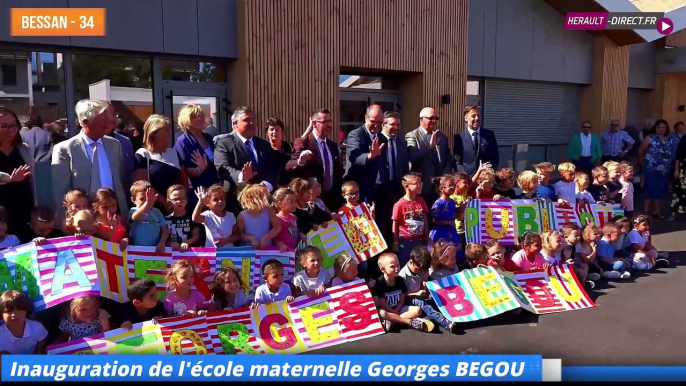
(425, 161)
(71, 169)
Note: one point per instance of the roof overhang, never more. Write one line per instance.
(626, 37)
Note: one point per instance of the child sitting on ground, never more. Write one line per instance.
(545, 190)
(228, 291)
(20, 335)
(587, 250)
(143, 304)
(389, 296)
(613, 267)
(497, 256)
(565, 188)
(312, 280)
(85, 319)
(148, 225)
(443, 260)
(528, 182)
(623, 246)
(274, 289)
(530, 257)
(553, 247)
(645, 255)
(345, 270)
(415, 274)
(476, 255)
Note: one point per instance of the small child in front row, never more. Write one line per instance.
(545, 172)
(497, 256)
(42, 225)
(148, 225)
(645, 255)
(389, 296)
(530, 257)
(184, 233)
(289, 236)
(85, 319)
(415, 274)
(443, 260)
(623, 245)
(528, 182)
(6, 241)
(345, 271)
(613, 267)
(257, 223)
(588, 254)
(444, 211)
(553, 246)
(228, 290)
(410, 222)
(565, 188)
(109, 225)
(143, 304)
(476, 255)
(220, 225)
(20, 335)
(181, 298)
(582, 194)
(274, 288)
(313, 279)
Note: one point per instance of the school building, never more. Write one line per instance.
(534, 80)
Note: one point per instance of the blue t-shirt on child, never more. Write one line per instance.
(147, 231)
(546, 192)
(444, 211)
(606, 249)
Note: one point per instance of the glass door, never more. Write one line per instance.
(212, 98)
(354, 104)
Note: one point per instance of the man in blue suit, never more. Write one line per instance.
(475, 144)
(364, 164)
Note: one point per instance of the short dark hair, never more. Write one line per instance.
(274, 122)
(15, 300)
(43, 213)
(306, 252)
(528, 238)
(390, 115)
(139, 288)
(271, 265)
(653, 129)
(421, 258)
(470, 108)
(680, 123)
(320, 111)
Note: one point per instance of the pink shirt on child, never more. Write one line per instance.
(289, 233)
(519, 258)
(627, 195)
(178, 307)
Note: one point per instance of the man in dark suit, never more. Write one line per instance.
(364, 163)
(429, 152)
(475, 144)
(395, 164)
(241, 157)
(318, 156)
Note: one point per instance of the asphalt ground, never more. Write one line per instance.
(635, 322)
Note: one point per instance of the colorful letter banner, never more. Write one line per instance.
(341, 314)
(354, 233)
(481, 293)
(506, 221)
(63, 268)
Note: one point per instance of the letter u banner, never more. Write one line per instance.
(481, 293)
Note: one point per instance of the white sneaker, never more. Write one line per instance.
(612, 275)
(625, 275)
(593, 276)
(589, 284)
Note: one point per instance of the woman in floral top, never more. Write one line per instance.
(679, 197)
(655, 154)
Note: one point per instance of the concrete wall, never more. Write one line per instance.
(189, 27)
(642, 66)
(526, 39)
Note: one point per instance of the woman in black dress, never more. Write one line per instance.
(17, 186)
(274, 129)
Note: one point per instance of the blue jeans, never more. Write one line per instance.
(405, 247)
(615, 266)
(429, 307)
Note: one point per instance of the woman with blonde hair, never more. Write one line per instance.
(195, 148)
(156, 162)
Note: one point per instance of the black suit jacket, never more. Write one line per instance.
(358, 167)
(465, 156)
(231, 154)
(314, 167)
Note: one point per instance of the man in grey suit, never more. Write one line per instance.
(429, 152)
(90, 160)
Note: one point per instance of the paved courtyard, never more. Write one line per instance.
(635, 322)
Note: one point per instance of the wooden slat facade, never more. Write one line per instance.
(292, 52)
(606, 98)
(669, 92)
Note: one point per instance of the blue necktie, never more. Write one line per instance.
(251, 152)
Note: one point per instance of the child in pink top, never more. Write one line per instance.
(289, 235)
(181, 298)
(530, 257)
(627, 191)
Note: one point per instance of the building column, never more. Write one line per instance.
(605, 99)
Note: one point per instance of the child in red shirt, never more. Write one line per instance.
(410, 213)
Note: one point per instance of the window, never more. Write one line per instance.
(8, 75)
(124, 81)
(193, 71)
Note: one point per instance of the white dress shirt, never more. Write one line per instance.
(471, 133)
(585, 145)
(106, 180)
(254, 152)
(321, 142)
